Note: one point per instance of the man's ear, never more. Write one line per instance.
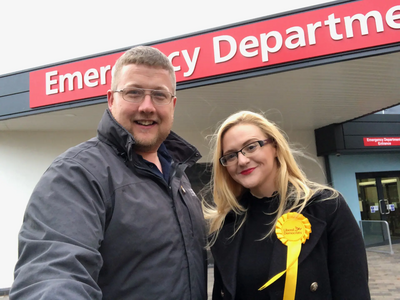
(174, 101)
(110, 99)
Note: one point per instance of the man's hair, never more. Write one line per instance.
(294, 189)
(143, 55)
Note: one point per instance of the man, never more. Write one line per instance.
(115, 217)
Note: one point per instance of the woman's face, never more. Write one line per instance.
(258, 170)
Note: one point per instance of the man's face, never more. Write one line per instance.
(148, 123)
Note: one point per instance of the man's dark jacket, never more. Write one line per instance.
(101, 225)
(332, 264)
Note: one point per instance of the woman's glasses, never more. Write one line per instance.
(231, 158)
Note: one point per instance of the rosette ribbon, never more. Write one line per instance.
(292, 229)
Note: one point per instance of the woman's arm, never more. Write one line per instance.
(347, 260)
(218, 292)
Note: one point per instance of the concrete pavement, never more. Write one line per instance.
(384, 274)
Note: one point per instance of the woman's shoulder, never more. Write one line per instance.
(325, 202)
(325, 194)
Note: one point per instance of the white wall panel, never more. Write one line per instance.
(23, 159)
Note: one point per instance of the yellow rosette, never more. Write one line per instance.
(292, 229)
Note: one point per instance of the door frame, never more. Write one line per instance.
(378, 176)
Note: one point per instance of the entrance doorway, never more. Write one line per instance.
(379, 195)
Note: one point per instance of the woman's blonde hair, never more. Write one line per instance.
(293, 188)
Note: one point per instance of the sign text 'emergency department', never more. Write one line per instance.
(336, 29)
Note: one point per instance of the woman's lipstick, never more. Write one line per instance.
(247, 171)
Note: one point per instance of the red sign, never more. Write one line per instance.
(336, 29)
(381, 141)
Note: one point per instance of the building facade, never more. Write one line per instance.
(315, 71)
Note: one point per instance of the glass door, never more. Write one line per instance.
(379, 200)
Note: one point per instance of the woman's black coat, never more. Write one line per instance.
(332, 263)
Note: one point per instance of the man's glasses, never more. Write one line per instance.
(136, 95)
(232, 158)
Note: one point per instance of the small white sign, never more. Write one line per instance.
(390, 207)
(374, 208)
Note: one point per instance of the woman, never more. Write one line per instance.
(255, 183)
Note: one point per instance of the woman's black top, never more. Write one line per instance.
(255, 252)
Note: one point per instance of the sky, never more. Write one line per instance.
(43, 32)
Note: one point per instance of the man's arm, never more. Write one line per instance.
(59, 240)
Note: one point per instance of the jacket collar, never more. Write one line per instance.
(113, 134)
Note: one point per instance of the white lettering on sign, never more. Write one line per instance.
(171, 58)
(260, 46)
(249, 42)
(50, 82)
(311, 28)
(90, 75)
(90, 79)
(272, 42)
(61, 83)
(299, 36)
(190, 62)
(103, 74)
(265, 49)
(217, 52)
(384, 139)
(331, 22)
(348, 21)
(390, 17)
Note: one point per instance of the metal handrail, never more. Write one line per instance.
(386, 225)
(4, 292)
